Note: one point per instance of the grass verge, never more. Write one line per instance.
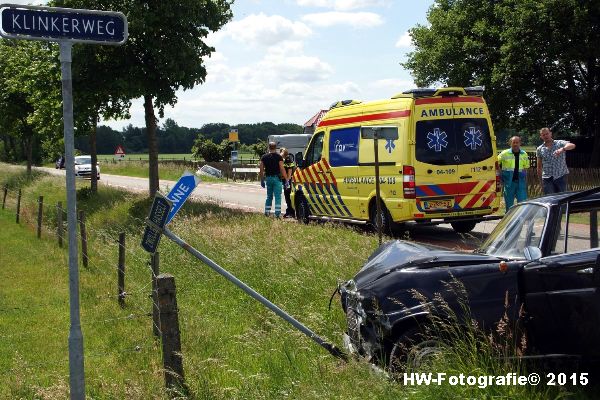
(233, 348)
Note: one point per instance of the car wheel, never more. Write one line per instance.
(463, 226)
(413, 350)
(384, 216)
(302, 210)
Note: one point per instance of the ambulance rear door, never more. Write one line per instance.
(475, 156)
(454, 157)
(436, 157)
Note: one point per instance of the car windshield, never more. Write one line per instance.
(521, 227)
(83, 160)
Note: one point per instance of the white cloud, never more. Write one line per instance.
(405, 40)
(298, 68)
(393, 85)
(355, 19)
(343, 5)
(265, 30)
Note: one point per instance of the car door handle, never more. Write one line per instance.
(466, 177)
(587, 271)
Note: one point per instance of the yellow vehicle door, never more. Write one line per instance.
(305, 176)
(476, 171)
(339, 172)
(435, 160)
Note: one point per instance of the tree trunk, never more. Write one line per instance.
(93, 177)
(152, 145)
(29, 153)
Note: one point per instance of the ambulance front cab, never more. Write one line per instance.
(437, 165)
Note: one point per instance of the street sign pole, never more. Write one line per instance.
(67, 26)
(76, 366)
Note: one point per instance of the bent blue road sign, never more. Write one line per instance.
(157, 219)
(62, 24)
(181, 191)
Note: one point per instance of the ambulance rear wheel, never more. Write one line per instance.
(463, 226)
(302, 210)
(384, 217)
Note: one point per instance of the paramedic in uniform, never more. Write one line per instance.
(271, 166)
(514, 163)
(552, 162)
(288, 165)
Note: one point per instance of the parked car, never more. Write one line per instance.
(83, 167)
(60, 163)
(543, 256)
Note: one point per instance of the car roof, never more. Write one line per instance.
(564, 197)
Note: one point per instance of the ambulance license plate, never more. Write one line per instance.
(441, 204)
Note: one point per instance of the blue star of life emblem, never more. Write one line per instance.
(437, 139)
(473, 138)
(389, 146)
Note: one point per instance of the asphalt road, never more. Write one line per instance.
(250, 197)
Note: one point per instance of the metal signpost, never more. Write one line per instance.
(155, 227)
(67, 26)
(376, 133)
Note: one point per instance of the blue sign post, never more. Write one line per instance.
(67, 26)
(181, 191)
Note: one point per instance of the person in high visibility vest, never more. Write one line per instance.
(514, 163)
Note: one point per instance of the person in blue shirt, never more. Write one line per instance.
(552, 162)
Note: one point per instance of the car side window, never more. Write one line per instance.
(582, 232)
(315, 150)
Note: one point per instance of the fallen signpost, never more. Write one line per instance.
(163, 211)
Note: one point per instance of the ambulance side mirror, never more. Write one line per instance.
(299, 159)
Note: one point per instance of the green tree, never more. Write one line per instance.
(30, 102)
(538, 59)
(207, 150)
(165, 53)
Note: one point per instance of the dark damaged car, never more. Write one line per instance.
(543, 256)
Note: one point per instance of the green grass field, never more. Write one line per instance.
(233, 348)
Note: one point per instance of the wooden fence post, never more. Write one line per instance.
(83, 232)
(40, 216)
(155, 264)
(59, 223)
(18, 205)
(4, 198)
(169, 326)
(121, 270)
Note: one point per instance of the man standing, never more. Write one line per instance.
(514, 163)
(552, 162)
(271, 166)
(288, 165)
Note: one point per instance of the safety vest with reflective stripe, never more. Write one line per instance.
(506, 158)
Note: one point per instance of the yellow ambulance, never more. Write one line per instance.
(437, 165)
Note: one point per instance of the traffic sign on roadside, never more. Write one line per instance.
(119, 152)
(62, 24)
(233, 136)
(157, 219)
(181, 191)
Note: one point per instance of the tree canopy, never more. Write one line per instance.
(539, 60)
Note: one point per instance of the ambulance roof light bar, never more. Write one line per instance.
(446, 91)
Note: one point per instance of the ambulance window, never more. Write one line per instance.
(343, 147)
(453, 141)
(313, 154)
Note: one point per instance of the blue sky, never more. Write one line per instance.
(283, 60)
